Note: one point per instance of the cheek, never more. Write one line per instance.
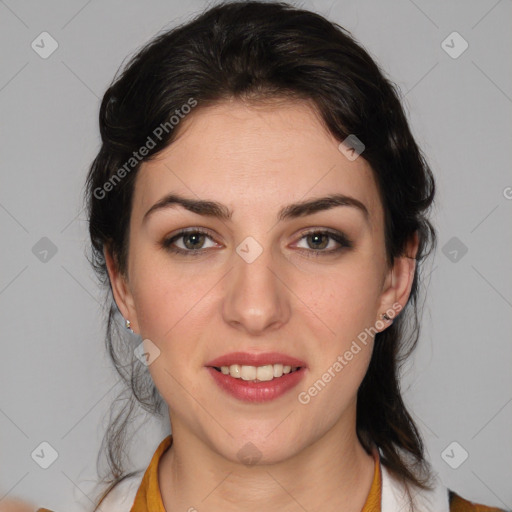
(344, 299)
(343, 349)
(166, 295)
(174, 311)
(169, 306)
(344, 302)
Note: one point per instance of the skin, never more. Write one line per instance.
(256, 159)
(16, 505)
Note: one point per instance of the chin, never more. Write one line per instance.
(258, 449)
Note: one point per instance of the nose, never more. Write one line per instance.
(256, 299)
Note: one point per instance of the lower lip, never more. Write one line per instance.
(263, 391)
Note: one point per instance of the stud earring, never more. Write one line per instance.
(128, 325)
(385, 317)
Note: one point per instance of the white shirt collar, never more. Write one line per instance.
(395, 498)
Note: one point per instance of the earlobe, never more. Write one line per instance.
(120, 288)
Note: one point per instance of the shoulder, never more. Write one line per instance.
(439, 498)
(120, 498)
(459, 504)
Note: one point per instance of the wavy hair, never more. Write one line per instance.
(256, 51)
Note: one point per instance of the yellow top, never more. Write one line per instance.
(148, 497)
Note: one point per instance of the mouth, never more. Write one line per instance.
(257, 384)
(256, 376)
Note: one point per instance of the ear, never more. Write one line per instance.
(398, 282)
(121, 289)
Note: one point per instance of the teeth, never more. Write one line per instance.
(278, 370)
(259, 373)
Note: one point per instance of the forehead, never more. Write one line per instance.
(257, 156)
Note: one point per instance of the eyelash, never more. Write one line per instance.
(340, 238)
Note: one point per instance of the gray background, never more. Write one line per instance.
(56, 382)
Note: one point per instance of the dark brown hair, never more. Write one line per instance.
(253, 51)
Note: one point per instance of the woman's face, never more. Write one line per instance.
(259, 280)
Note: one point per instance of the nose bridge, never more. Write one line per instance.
(255, 298)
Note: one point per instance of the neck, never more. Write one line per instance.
(333, 473)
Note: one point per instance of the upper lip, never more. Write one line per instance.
(260, 359)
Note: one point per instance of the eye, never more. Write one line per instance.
(318, 242)
(192, 241)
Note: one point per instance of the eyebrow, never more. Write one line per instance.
(220, 211)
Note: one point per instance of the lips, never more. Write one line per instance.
(253, 359)
(257, 392)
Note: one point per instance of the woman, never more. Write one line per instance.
(259, 210)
